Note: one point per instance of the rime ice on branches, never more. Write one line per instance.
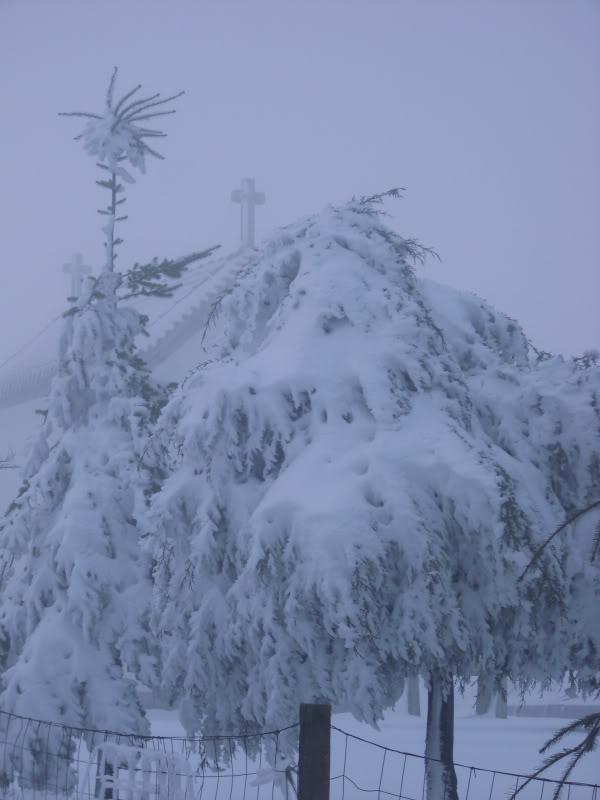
(75, 584)
(118, 141)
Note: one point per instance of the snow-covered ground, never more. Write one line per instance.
(510, 745)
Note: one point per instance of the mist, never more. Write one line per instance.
(487, 114)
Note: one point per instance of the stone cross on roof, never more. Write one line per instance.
(248, 198)
(77, 269)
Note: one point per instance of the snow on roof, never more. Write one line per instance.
(463, 318)
(27, 374)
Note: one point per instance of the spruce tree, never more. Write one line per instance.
(358, 476)
(75, 584)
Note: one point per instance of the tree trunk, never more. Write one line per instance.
(502, 700)
(412, 696)
(485, 696)
(440, 776)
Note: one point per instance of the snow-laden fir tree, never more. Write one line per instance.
(583, 523)
(75, 586)
(359, 474)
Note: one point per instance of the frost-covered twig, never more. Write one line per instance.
(418, 252)
(156, 278)
(590, 723)
(540, 355)
(591, 358)
(365, 203)
(569, 520)
(380, 197)
(214, 313)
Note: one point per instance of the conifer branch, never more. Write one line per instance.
(126, 97)
(591, 725)
(365, 203)
(418, 252)
(137, 103)
(569, 521)
(79, 114)
(156, 278)
(111, 87)
(380, 196)
(143, 105)
(214, 314)
(151, 116)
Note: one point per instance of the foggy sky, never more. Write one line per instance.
(488, 113)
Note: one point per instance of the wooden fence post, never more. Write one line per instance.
(314, 755)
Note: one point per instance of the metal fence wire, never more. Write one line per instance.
(48, 761)
(362, 768)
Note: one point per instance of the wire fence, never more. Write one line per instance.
(362, 768)
(48, 761)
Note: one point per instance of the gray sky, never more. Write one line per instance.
(487, 112)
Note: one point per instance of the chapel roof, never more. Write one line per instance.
(28, 373)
